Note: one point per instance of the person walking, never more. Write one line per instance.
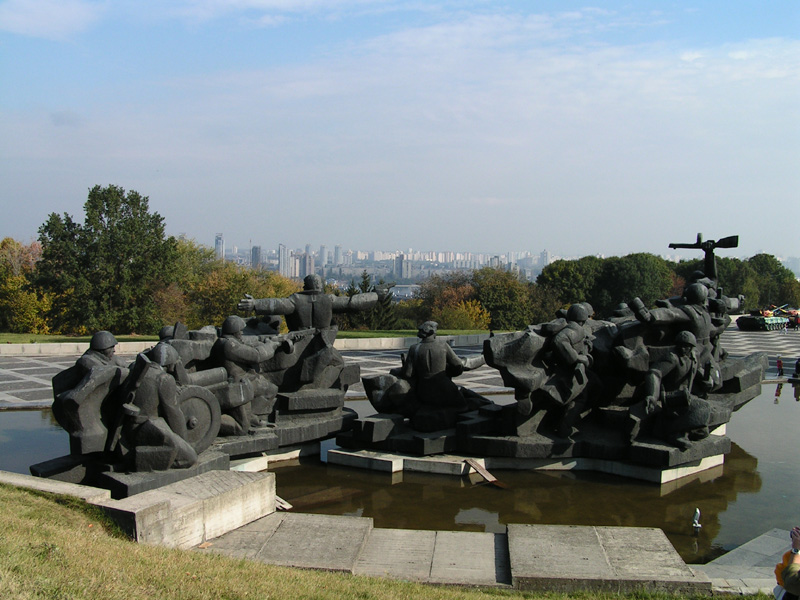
(779, 364)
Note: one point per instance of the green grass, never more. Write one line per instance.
(57, 548)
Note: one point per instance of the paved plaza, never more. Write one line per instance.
(25, 380)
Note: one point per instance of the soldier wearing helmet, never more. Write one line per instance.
(242, 361)
(669, 407)
(100, 353)
(692, 316)
(571, 356)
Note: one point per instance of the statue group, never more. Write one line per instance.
(647, 385)
(239, 388)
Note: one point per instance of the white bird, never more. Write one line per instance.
(696, 520)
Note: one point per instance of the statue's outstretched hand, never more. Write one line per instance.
(246, 304)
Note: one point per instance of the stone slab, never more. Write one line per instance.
(123, 485)
(92, 495)
(471, 558)
(567, 559)
(452, 464)
(330, 543)
(366, 459)
(247, 541)
(238, 445)
(397, 553)
(187, 513)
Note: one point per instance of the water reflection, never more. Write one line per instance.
(747, 496)
(753, 492)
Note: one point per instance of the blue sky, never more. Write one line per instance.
(581, 128)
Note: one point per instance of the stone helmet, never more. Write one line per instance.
(167, 332)
(577, 313)
(313, 283)
(686, 338)
(696, 293)
(102, 340)
(164, 354)
(233, 324)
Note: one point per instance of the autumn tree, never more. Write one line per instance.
(22, 309)
(216, 292)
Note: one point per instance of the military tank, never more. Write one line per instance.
(761, 321)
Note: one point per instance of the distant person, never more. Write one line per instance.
(779, 364)
(787, 572)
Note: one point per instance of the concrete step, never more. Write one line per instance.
(565, 558)
(330, 543)
(750, 568)
(441, 557)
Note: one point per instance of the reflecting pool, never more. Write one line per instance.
(753, 492)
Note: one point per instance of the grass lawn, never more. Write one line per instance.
(57, 547)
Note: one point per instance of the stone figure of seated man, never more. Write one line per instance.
(423, 388)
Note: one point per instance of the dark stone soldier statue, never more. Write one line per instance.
(100, 353)
(312, 308)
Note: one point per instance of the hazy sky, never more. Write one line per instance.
(583, 128)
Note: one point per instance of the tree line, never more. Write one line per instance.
(119, 271)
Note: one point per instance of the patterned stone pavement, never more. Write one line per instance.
(25, 380)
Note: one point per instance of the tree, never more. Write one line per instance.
(382, 317)
(22, 310)
(504, 296)
(215, 295)
(440, 291)
(465, 315)
(103, 274)
(776, 284)
(641, 275)
(572, 280)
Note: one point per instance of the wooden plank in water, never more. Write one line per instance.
(481, 470)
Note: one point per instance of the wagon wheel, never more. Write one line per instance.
(201, 410)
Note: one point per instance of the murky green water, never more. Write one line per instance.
(752, 493)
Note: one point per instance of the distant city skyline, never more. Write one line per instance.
(584, 129)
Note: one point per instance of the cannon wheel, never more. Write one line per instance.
(201, 409)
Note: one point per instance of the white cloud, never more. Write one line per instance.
(49, 19)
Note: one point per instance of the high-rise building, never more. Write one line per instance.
(255, 257)
(306, 265)
(219, 246)
(322, 260)
(337, 255)
(544, 258)
(284, 261)
(402, 267)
